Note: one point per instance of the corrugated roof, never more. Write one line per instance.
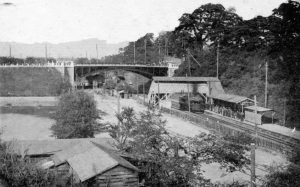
(42, 147)
(95, 161)
(230, 98)
(61, 156)
(258, 108)
(186, 79)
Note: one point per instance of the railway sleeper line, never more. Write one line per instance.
(267, 139)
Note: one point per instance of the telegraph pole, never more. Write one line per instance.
(145, 64)
(9, 51)
(159, 52)
(145, 51)
(218, 58)
(97, 52)
(266, 86)
(253, 183)
(46, 53)
(188, 86)
(166, 47)
(253, 177)
(134, 52)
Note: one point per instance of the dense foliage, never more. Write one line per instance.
(244, 48)
(168, 160)
(16, 171)
(76, 116)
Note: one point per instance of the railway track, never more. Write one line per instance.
(268, 139)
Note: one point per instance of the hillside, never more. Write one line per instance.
(73, 49)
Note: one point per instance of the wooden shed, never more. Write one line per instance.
(90, 161)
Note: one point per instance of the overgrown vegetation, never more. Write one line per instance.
(76, 116)
(167, 160)
(18, 171)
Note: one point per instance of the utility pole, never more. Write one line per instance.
(266, 86)
(86, 56)
(46, 53)
(159, 52)
(284, 111)
(97, 52)
(134, 52)
(255, 105)
(218, 58)
(144, 91)
(253, 146)
(145, 51)
(166, 47)
(253, 183)
(9, 51)
(189, 62)
(188, 89)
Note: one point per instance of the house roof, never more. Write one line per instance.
(49, 147)
(95, 161)
(61, 156)
(186, 79)
(258, 108)
(230, 98)
(87, 157)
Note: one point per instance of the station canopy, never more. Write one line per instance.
(258, 108)
(230, 98)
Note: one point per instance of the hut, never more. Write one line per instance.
(255, 114)
(89, 162)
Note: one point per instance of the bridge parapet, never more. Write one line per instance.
(48, 64)
(117, 65)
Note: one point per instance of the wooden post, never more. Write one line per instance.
(284, 111)
(134, 52)
(144, 91)
(188, 89)
(255, 105)
(218, 59)
(253, 183)
(266, 86)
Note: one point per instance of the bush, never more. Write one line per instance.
(76, 116)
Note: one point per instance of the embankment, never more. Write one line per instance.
(32, 81)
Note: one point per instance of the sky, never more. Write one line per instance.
(57, 21)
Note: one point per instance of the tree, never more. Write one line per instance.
(166, 159)
(17, 171)
(207, 24)
(76, 116)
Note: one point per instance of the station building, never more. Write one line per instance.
(163, 87)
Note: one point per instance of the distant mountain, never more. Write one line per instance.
(74, 49)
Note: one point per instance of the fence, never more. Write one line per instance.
(221, 125)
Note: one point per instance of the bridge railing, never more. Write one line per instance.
(49, 64)
(128, 65)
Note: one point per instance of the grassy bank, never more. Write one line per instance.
(33, 81)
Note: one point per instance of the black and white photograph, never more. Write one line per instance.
(149, 93)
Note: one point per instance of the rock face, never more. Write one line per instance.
(83, 48)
